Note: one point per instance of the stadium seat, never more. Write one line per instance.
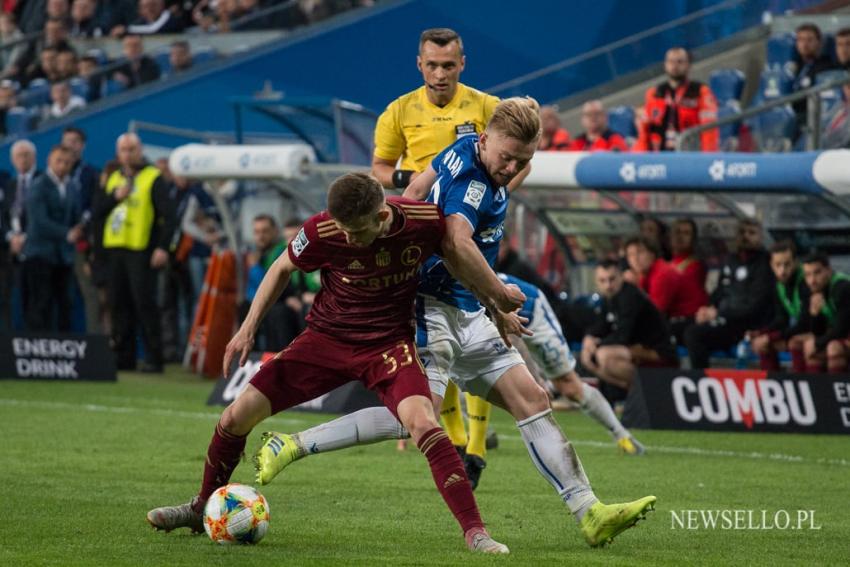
(37, 93)
(203, 54)
(111, 87)
(18, 121)
(621, 119)
(99, 54)
(831, 97)
(773, 130)
(163, 60)
(80, 87)
(730, 132)
(773, 84)
(780, 52)
(727, 84)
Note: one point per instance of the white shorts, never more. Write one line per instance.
(462, 346)
(547, 346)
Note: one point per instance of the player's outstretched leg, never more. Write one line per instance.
(417, 414)
(362, 427)
(556, 459)
(223, 454)
(594, 404)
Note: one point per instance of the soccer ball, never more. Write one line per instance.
(236, 513)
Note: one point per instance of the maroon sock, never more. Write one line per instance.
(798, 361)
(450, 478)
(769, 361)
(223, 455)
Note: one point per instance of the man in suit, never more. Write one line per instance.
(13, 226)
(52, 216)
(139, 68)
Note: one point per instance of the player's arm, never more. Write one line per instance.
(273, 284)
(472, 268)
(421, 186)
(385, 172)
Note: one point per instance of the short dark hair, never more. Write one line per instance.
(354, 196)
(817, 258)
(842, 32)
(690, 221)
(750, 221)
(810, 27)
(608, 263)
(440, 36)
(60, 148)
(74, 130)
(266, 217)
(688, 54)
(645, 242)
(784, 246)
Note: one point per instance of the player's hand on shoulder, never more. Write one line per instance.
(241, 343)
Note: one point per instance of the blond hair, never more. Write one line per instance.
(518, 118)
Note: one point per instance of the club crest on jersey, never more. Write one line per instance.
(411, 255)
(474, 193)
(300, 243)
(383, 258)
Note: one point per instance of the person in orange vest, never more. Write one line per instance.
(676, 105)
(554, 138)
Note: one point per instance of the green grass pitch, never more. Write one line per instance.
(81, 463)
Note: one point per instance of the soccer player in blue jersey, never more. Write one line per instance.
(550, 352)
(454, 336)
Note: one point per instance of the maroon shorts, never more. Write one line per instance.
(314, 364)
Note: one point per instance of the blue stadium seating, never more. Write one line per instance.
(727, 84)
(80, 87)
(773, 84)
(162, 59)
(621, 119)
(780, 51)
(774, 129)
(37, 93)
(729, 134)
(111, 87)
(203, 54)
(18, 121)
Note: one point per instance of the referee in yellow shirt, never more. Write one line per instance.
(413, 129)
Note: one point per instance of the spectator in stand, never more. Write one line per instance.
(655, 230)
(786, 330)
(63, 101)
(8, 100)
(84, 184)
(629, 331)
(554, 138)
(683, 239)
(88, 70)
(43, 68)
(180, 56)
(842, 48)
(676, 105)
(140, 68)
(118, 14)
(808, 63)
(53, 228)
(67, 65)
(282, 323)
(154, 18)
(16, 191)
(836, 129)
(742, 300)
(31, 15)
(597, 136)
(84, 20)
(9, 58)
(662, 283)
(509, 262)
(829, 309)
(200, 221)
(137, 234)
(58, 10)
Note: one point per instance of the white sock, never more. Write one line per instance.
(555, 458)
(359, 428)
(596, 406)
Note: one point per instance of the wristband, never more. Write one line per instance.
(401, 178)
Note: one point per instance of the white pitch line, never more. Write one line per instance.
(128, 409)
(781, 457)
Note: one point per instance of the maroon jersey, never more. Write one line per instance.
(368, 292)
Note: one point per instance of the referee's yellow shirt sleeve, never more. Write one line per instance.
(389, 138)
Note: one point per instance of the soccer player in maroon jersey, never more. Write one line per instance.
(369, 249)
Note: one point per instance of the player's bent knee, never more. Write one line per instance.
(417, 416)
(249, 409)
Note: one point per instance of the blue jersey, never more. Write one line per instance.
(532, 292)
(462, 187)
